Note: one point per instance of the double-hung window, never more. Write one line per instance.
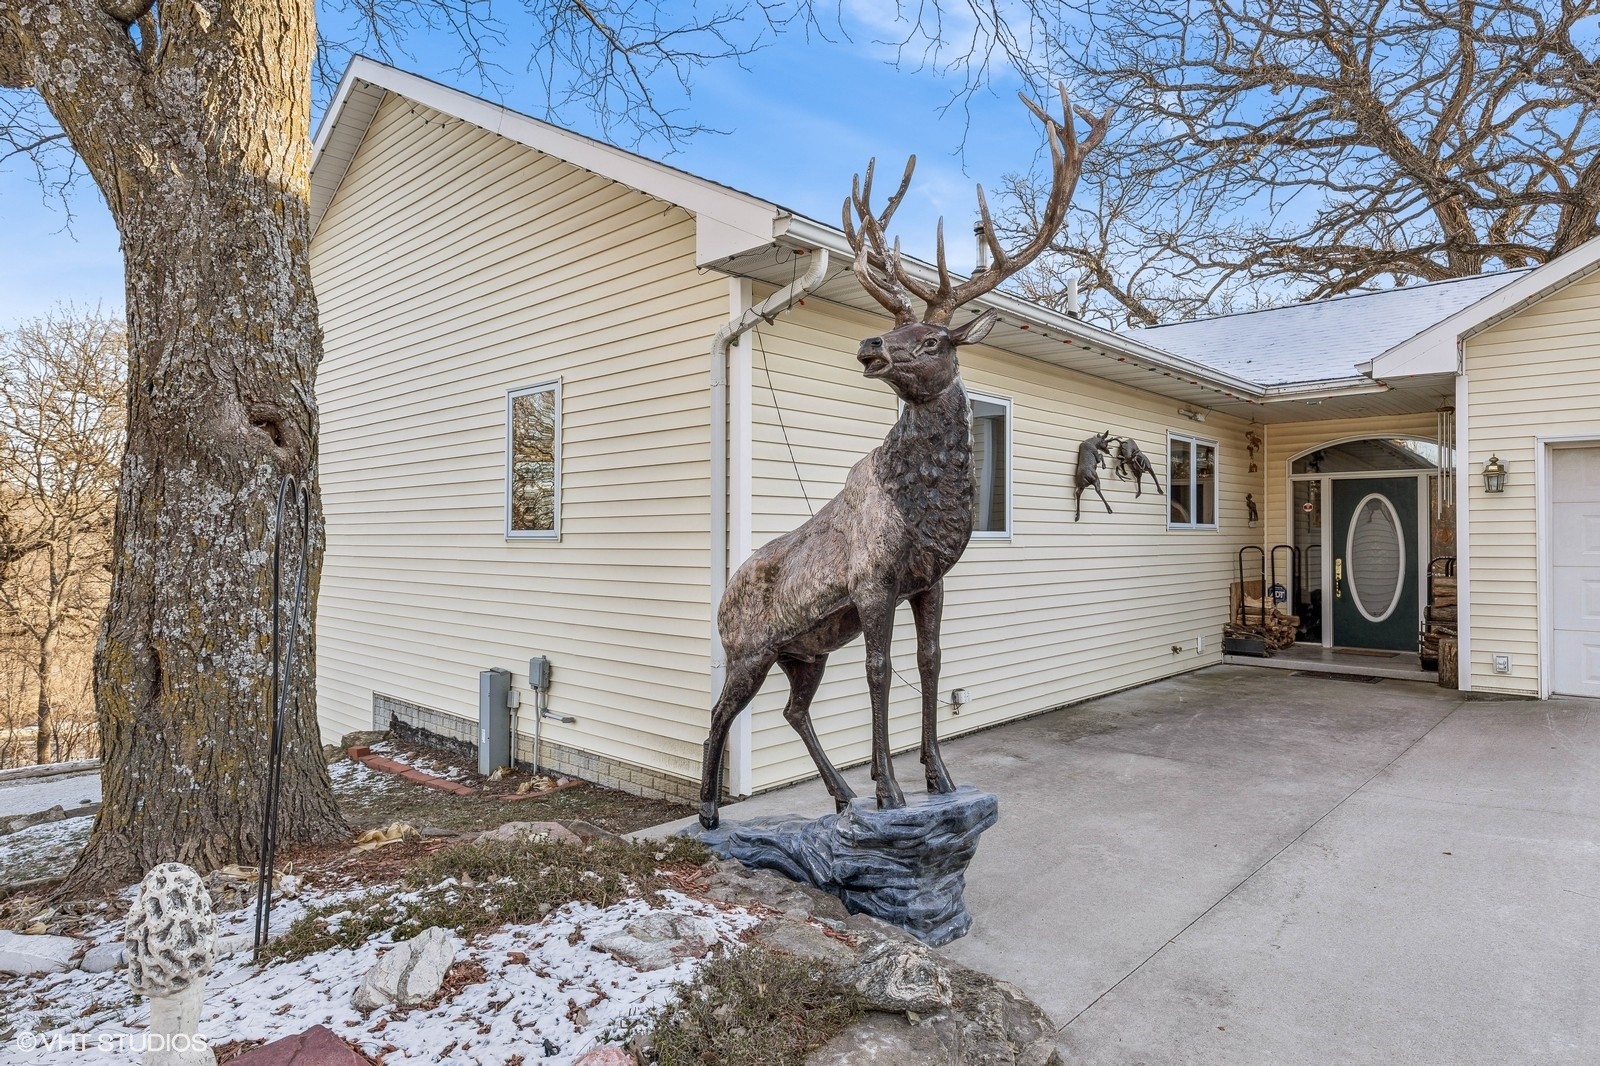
(991, 467)
(533, 461)
(1191, 482)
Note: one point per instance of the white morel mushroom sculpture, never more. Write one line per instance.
(171, 939)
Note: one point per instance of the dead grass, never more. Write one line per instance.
(470, 888)
(755, 1007)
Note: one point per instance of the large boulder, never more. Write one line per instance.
(409, 973)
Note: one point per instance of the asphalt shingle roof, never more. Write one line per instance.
(1321, 341)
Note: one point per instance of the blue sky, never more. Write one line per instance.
(802, 119)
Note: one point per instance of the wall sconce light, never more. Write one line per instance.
(1192, 415)
(1494, 475)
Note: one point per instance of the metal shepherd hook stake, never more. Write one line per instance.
(278, 694)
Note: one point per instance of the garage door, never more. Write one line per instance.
(1575, 553)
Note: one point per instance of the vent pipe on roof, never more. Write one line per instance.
(982, 260)
(1072, 297)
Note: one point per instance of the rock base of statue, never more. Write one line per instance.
(905, 866)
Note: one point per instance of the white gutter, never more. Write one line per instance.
(1322, 390)
(739, 778)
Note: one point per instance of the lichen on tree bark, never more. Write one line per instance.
(195, 124)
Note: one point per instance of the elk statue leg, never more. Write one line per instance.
(804, 677)
(1077, 504)
(875, 608)
(743, 681)
(927, 607)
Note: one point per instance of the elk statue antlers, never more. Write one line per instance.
(904, 515)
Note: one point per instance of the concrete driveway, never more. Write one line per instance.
(1238, 866)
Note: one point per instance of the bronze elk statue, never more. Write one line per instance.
(904, 515)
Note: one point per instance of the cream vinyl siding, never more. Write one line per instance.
(1285, 440)
(1537, 374)
(451, 267)
(1056, 613)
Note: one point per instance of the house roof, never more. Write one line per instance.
(1324, 341)
(1436, 350)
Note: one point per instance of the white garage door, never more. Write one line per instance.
(1575, 503)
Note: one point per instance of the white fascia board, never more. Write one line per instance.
(1321, 390)
(1437, 349)
(727, 221)
(814, 234)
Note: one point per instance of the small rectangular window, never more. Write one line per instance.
(533, 461)
(991, 467)
(1191, 482)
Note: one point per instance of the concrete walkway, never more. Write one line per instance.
(1239, 867)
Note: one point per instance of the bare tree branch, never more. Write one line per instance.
(1304, 148)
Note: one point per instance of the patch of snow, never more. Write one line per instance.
(30, 795)
(41, 850)
(547, 981)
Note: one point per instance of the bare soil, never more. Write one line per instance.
(386, 799)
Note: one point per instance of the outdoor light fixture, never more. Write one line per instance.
(1192, 414)
(1494, 475)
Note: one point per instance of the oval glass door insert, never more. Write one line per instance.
(1375, 558)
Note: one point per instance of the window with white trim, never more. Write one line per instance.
(1191, 482)
(533, 461)
(991, 467)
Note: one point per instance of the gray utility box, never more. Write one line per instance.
(494, 720)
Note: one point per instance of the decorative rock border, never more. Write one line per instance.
(362, 754)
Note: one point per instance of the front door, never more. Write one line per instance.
(1375, 565)
(1575, 571)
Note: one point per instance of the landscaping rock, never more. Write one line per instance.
(104, 957)
(361, 738)
(731, 881)
(902, 977)
(27, 821)
(804, 941)
(548, 830)
(906, 865)
(924, 1009)
(604, 1056)
(884, 1040)
(588, 831)
(657, 941)
(408, 973)
(27, 955)
(317, 1046)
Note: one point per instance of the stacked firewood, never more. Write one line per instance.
(1261, 618)
(1439, 620)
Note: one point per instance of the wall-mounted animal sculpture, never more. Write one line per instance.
(905, 514)
(1133, 462)
(1090, 454)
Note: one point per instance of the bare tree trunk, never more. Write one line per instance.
(42, 667)
(197, 131)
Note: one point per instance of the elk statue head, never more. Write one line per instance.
(917, 359)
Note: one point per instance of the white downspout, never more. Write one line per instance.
(1464, 459)
(741, 322)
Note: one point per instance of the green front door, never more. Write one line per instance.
(1375, 563)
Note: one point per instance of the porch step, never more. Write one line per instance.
(1372, 667)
